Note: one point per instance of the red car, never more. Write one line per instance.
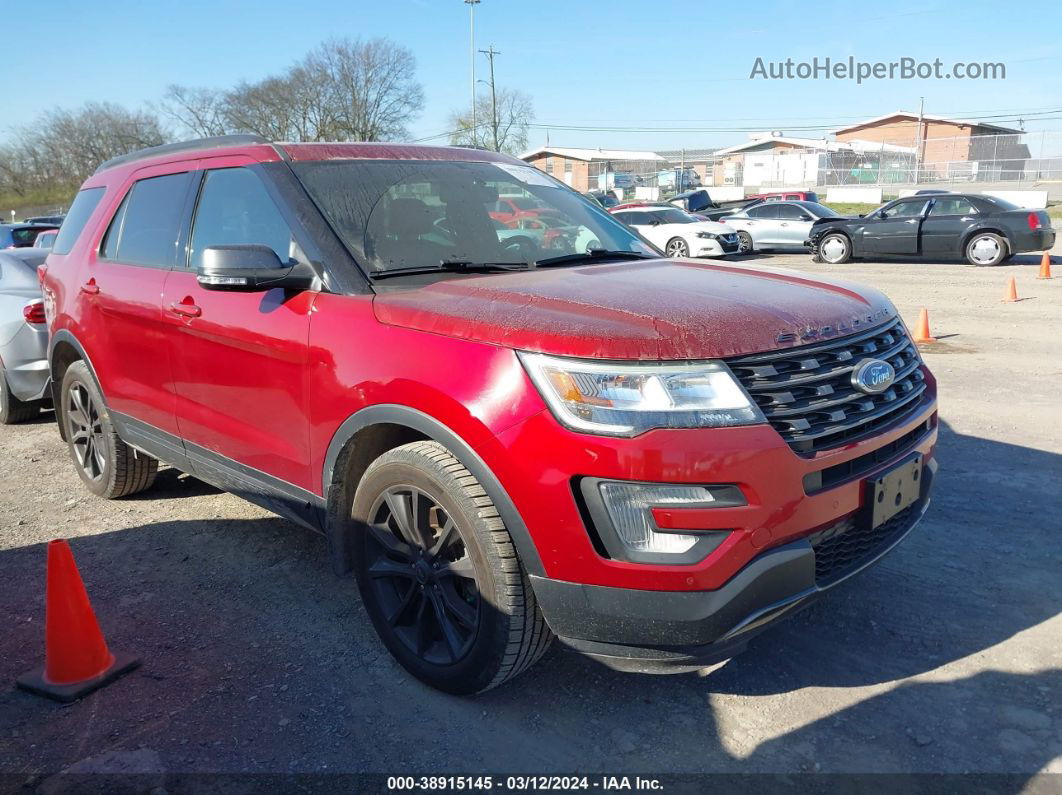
(650, 459)
(508, 209)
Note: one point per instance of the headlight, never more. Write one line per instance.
(707, 235)
(625, 399)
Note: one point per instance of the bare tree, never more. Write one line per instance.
(369, 87)
(515, 111)
(199, 111)
(342, 90)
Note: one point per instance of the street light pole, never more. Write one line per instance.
(490, 53)
(472, 59)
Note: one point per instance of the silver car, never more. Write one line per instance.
(775, 224)
(23, 336)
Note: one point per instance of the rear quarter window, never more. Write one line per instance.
(80, 211)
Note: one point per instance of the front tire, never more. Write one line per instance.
(745, 245)
(677, 247)
(439, 575)
(13, 410)
(986, 249)
(107, 466)
(835, 249)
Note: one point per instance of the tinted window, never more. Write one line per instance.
(1002, 204)
(820, 210)
(763, 211)
(637, 219)
(23, 237)
(84, 203)
(235, 209)
(952, 207)
(911, 209)
(673, 216)
(790, 212)
(152, 216)
(109, 249)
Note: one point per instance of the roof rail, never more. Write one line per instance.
(216, 142)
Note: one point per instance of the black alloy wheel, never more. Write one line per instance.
(422, 575)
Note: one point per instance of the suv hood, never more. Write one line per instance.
(650, 310)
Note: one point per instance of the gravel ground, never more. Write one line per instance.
(946, 657)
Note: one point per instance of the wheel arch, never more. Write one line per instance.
(372, 431)
(844, 232)
(63, 350)
(964, 239)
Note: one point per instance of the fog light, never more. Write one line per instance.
(629, 505)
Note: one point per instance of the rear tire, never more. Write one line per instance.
(108, 467)
(986, 249)
(439, 575)
(13, 410)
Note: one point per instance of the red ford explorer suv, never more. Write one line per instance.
(651, 460)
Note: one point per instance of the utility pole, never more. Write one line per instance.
(918, 141)
(490, 53)
(472, 59)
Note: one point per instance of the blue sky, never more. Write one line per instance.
(599, 63)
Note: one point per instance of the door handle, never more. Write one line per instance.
(784, 223)
(90, 287)
(185, 309)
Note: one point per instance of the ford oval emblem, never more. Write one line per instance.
(873, 376)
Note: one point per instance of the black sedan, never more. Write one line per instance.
(983, 229)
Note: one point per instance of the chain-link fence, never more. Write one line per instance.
(1022, 160)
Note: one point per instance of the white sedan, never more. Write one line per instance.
(678, 233)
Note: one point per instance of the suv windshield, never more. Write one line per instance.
(401, 214)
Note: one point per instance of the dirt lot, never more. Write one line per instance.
(946, 657)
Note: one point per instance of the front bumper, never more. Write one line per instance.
(704, 247)
(672, 631)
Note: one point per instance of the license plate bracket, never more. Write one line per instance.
(895, 489)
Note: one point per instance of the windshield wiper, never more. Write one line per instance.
(592, 254)
(453, 266)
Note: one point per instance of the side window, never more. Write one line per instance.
(764, 211)
(952, 207)
(84, 203)
(911, 209)
(109, 249)
(144, 230)
(235, 209)
(789, 212)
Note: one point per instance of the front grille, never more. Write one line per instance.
(806, 393)
(814, 482)
(845, 547)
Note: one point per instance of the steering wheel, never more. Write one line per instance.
(522, 246)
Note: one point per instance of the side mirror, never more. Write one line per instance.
(805, 217)
(250, 269)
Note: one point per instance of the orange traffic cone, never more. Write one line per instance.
(76, 658)
(1045, 267)
(922, 329)
(1011, 295)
